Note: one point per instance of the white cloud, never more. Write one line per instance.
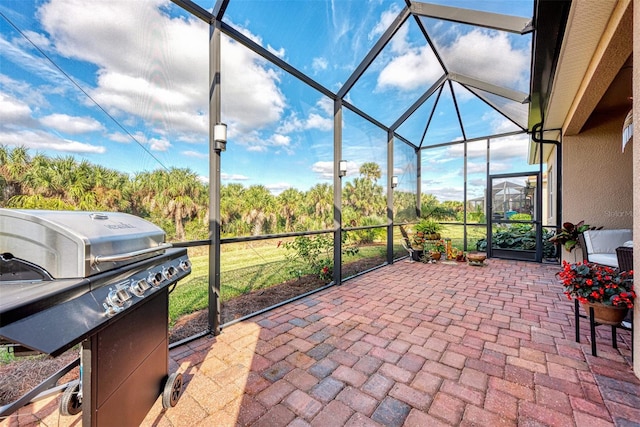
(124, 138)
(280, 53)
(163, 81)
(444, 193)
(196, 154)
(487, 55)
(413, 68)
(257, 148)
(325, 104)
(319, 64)
(71, 124)
(38, 140)
(484, 54)
(13, 111)
(386, 19)
(156, 144)
(233, 177)
(280, 140)
(315, 121)
(324, 170)
(277, 187)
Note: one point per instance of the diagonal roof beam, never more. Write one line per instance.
(433, 110)
(497, 108)
(496, 21)
(374, 52)
(195, 10)
(455, 104)
(513, 95)
(418, 103)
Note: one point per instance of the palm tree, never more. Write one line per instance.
(320, 205)
(14, 163)
(370, 171)
(176, 193)
(231, 208)
(290, 204)
(260, 206)
(363, 194)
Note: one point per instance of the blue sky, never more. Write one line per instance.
(124, 84)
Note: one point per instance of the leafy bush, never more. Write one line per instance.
(370, 235)
(519, 237)
(311, 255)
(427, 226)
(520, 217)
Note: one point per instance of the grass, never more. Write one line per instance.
(245, 267)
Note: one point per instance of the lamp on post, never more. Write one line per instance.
(342, 168)
(394, 181)
(220, 137)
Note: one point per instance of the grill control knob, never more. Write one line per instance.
(118, 297)
(185, 265)
(111, 310)
(138, 288)
(155, 279)
(168, 273)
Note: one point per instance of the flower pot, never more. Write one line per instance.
(476, 258)
(417, 254)
(432, 236)
(606, 314)
(435, 255)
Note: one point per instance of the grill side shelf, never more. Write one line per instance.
(57, 328)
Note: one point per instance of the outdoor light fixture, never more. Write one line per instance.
(394, 181)
(627, 130)
(220, 137)
(342, 168)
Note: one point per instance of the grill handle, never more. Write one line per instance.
(128, 256)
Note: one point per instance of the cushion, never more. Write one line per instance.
(605, 241)
(605, 259)
(628, 244)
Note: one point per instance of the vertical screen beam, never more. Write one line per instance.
(337, 192)
(214, 174)
(419, 182)
(390, 191)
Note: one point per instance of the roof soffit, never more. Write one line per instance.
(588, 22)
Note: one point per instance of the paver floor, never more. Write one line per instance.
(408, 344)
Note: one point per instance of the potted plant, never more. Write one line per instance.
(436, 249)
(428, 229)
(568, 234)
(606, 289)
(457, 254)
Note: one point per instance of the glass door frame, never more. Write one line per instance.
(536, 220)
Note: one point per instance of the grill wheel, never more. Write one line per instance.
(70, 403)
(172, 390)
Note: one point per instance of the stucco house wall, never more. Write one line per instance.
(597, 184)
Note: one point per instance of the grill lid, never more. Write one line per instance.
(75, 244)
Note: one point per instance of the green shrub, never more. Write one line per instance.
(519, 237)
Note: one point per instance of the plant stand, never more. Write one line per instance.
(592, 328)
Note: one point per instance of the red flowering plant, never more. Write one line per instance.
(595, 283)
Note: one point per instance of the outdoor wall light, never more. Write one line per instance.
(342, 168)
(220, 137)
(394, 181)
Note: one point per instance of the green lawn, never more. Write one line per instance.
(245, 267)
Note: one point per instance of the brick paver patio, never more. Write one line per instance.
(409, 344)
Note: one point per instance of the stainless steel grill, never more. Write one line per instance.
(100, 279)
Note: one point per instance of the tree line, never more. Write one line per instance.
(178, 201)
